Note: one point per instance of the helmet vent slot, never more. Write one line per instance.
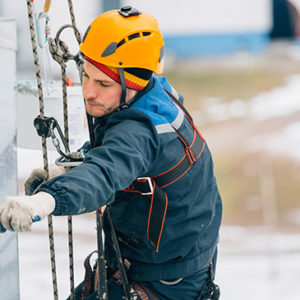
(113, 46)
(133, 36)
(121, 43)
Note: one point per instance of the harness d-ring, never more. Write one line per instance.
(173, 282)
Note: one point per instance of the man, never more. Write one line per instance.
(147, 161)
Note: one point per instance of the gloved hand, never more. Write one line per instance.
(18, 212)
(37, 177)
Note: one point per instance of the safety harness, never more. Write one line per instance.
(153, 186)
(91, 281)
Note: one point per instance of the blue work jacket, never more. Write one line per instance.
(142, 141)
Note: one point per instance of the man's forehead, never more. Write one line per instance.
(96, 73)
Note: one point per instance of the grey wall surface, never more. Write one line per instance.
(111, 4)
(9, 277)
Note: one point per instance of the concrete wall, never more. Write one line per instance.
(9, 277)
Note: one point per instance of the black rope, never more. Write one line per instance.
(102, 287)
(121, 266)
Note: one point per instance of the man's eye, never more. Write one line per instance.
(84, 74)
(104, 84)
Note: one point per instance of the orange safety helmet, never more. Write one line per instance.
(125, 38)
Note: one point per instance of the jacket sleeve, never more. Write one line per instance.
(129, 149)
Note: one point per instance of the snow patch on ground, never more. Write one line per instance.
(284, 142)
(258, 263)
(253, 263)
(34, 256)
(280, 101)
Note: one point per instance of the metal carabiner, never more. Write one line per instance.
(39, 17)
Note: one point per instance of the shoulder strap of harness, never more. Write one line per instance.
(154, 186)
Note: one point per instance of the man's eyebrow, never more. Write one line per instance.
(102, 80)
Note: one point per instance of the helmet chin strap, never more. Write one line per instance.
(123, 103)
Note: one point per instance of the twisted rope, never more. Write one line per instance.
(72, 15)
(79, 64)
(61, 54)
(44, 145)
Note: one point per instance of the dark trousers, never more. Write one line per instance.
(115, 291)
(189, 288)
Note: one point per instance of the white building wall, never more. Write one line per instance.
(197, 18)
(213, 16)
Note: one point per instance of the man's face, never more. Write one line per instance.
(101, 93)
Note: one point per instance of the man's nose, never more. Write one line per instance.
(89, 91)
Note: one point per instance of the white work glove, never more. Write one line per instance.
(17, 213)
(37, 177)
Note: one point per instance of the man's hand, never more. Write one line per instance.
(17, 213)
(37, 177)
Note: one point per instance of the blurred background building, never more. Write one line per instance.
(192, 29)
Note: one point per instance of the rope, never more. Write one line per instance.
(76, 32)
(61, 54)
(44, 145)
(71, 258)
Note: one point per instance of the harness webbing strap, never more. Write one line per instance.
(157, 215)
(159, 199)
(87, 287)
(180, 105)
(140, 291)
(187, 115)
(157, 210)
(167, 178)
(153, 186)
(139, 186)
(177, 171)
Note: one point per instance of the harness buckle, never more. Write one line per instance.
(149, 183)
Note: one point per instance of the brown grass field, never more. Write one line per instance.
(258, 188)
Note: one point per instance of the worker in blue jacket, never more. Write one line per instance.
(147, 161)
